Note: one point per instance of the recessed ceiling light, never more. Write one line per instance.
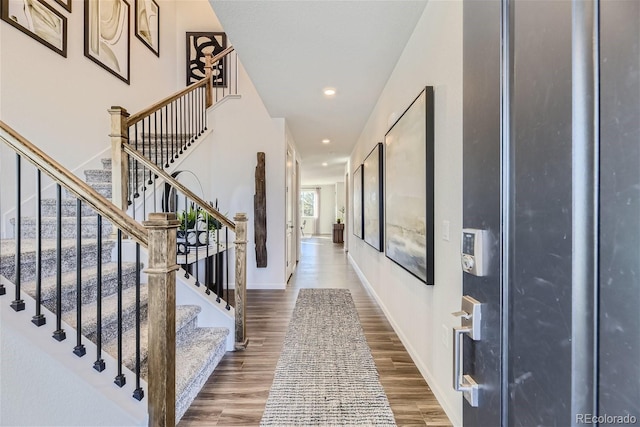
(325, 164)
(329, 91)
(326, 141)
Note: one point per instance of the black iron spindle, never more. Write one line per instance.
(120, 379)
(138, 393)
(215, 265)
(226, 241)
(39, 318)
(148, 141)
(79, 349)
(196, 233)
(136, 193)
(179, 116)
(99, 364)
(208, 273)
(172, 132)
(164, 124)
(155, 140)
(59, 333)
(18, 303)
(186, 236)
(204, 108)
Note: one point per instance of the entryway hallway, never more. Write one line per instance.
(237, 391)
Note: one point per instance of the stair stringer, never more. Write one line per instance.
(213, 314)
(61, 388)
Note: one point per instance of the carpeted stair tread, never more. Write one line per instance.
(110, 314)
(196, 358)
(185, 314)
(28, 256)
(89, 280)
(49, 207)
(49, 227)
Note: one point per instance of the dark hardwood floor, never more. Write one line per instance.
(237, 391)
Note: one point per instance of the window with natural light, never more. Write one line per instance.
(308, 203)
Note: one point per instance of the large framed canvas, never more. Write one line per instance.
(148, 24)
(372, 197)
(409, 189)
(106, 35)
(358, 209)
(39, 21)
(198, 45)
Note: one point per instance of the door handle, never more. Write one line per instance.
(464, 383)
(471, 318)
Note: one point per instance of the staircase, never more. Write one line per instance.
(198, 349)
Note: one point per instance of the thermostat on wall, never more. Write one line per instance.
(475, 251)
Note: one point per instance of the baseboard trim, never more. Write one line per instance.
(454, 417)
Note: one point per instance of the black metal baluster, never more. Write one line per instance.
(59, 333)
(186, 236)
(165, 135)
(136, 193)
(138, 393)
(18, 303)
(148, 119)
(179, 125)
(190, 117)
(204, 108)
(39, 318)
(99, 364)
(226, 242)
(197, 247)
(120, 380)
(215, 266)
(79, 349)
(172, 132)
(208, 273)
(155, 139)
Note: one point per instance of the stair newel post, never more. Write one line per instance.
(119, 159)
(161, 273)
(241, 280)
(209, 73)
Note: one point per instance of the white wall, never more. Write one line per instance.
(340, 201)
(420, 314)
(61, 104)
(232, 175)
(327, 216)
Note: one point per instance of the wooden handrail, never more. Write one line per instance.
(74, 184)
(174, 183)
(135, 118)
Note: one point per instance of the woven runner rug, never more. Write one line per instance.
(326, 374)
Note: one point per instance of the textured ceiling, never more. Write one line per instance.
(292, 50)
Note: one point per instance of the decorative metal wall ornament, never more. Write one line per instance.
(106, 35)
(39, 21)
(372, 197)
(148, 24)
(199, 44)
(409, 189)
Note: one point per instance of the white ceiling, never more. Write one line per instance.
(292, 50)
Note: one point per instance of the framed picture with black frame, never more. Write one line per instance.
(372, 197)
(107, 42)
(40, 21)
(148, 24)
(198, 45)
(358, 208)
(409, 189)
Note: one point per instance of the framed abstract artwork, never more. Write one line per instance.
(372, 197)
(358, 208)
(409, 189)
(66, 4)
(198, 45)
(39, 21)
(148, 24)
(106, 35)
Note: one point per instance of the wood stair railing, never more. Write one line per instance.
(159, 236)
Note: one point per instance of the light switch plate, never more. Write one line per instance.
(445, 230)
